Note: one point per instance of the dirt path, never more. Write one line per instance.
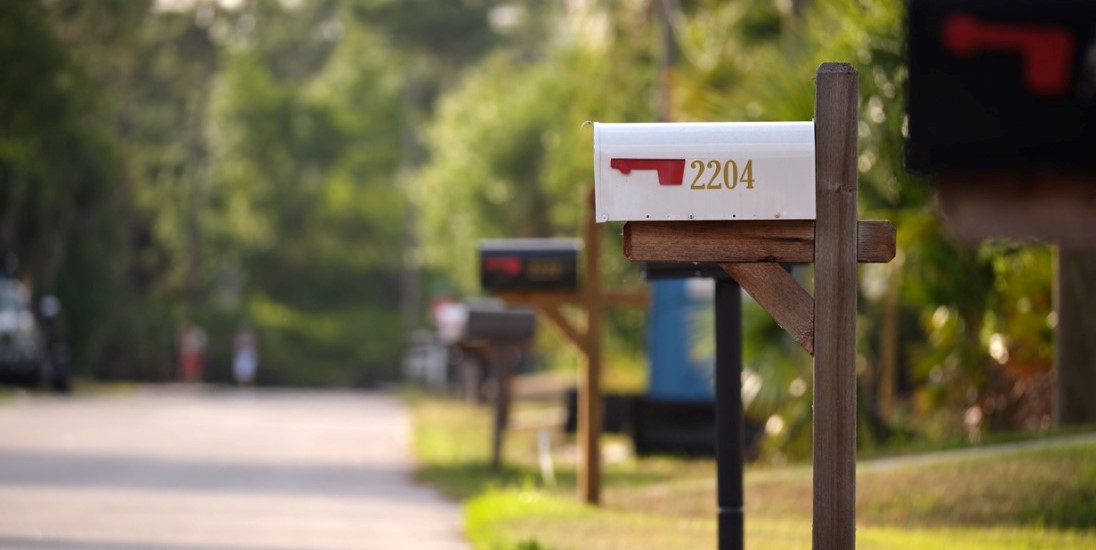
(192, 469)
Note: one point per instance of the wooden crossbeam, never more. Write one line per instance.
(750, 251)
(782, 241)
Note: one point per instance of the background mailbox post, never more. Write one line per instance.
(518, 265)
(507, 333)
(1001, 85)
(550, 285)
(1002, 111)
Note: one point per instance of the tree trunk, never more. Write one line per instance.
(1075, 346)
(887, 382)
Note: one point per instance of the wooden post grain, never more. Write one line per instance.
(835, 127)
(589, 390)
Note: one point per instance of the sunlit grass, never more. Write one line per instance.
(526, 519)
(1042, 498)
(529, 519)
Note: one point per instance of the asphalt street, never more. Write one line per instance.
(190, 468)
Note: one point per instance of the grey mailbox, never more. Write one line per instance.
(499, 324)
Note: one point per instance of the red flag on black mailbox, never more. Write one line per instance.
(1002, 84)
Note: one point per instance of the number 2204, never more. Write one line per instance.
(728, 169)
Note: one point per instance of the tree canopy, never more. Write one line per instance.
(309, 167)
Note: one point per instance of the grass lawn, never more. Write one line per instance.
(1014, 498)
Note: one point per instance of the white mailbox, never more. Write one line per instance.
(704, 171)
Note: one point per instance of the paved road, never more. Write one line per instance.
(193, 469)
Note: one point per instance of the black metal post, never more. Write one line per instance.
(729, 438)
(503, 359)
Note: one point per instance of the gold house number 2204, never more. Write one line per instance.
(728, 169)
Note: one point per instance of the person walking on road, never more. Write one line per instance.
(245, 357)
(192, 349)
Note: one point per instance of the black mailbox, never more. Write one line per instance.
(529, 264)
(658, 271)
(1001, 84)
(500, 324)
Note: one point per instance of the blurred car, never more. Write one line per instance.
(25, 356)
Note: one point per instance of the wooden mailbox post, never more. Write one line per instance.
(502, 332)
(549, 299)
(750, 244)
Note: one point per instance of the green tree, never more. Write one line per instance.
(62, 182)
(509, 154)
(304, 163)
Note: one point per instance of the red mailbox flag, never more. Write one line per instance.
(670, 171)
(1046, 51)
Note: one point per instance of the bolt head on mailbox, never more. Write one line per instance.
(704, 171)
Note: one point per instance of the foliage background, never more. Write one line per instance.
(322, 169)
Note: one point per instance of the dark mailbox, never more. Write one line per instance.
(500, 324)
(657, 271)
(1001, 84)
(529, 264)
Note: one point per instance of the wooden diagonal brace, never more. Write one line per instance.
(780, 295)
(576, 337)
